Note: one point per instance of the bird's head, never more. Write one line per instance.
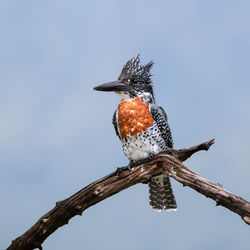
(134, 81)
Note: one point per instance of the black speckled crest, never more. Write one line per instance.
(132, 70)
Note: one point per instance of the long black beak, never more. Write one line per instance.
(111, 86)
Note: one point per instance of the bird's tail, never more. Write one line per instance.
(161, 196)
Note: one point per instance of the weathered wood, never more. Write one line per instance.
(168, 161)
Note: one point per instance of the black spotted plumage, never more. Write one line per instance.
(161, 195)
(135, 81)
(161, 119)
(114, 121)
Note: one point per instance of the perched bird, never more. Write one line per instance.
(142, 126)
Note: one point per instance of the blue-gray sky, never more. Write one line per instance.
(56, 134)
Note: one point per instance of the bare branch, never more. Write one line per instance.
(168, 161)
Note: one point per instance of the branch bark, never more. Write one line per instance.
(169, 161)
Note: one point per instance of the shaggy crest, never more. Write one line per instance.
(132, 70)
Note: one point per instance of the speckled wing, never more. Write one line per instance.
(115, 123)
(161, 119)
(161, 196)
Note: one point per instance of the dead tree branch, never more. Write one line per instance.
(168, 161)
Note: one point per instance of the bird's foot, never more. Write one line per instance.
(140, 162)
(150, 156)
(122, 169)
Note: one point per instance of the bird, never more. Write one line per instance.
(142, 126)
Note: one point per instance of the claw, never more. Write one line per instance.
(133, 164)
(150, 156)
(122, 169)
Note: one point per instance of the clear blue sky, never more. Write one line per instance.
(56, 134)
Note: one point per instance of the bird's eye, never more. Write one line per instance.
(131, 81)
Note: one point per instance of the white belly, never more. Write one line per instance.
(143, 145)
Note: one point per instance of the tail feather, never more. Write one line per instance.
(161, 196)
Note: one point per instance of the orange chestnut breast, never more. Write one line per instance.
(133, 117)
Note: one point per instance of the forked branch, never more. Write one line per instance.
(169, 161)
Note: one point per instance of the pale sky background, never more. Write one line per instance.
(56, 134)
